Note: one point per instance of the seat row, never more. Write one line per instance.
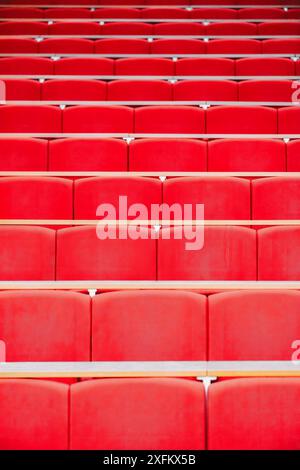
(237, 3)
(290, 28)
(149, 326)
(137, 253)
(153, 12)
(149, 66)
(127, 414)
(152, 90)
(223, 197)
(143, 46)
(149, 155)
(150, 119)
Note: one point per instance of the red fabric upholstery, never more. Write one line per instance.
(33, 415)
(123, 420)
(149, 326)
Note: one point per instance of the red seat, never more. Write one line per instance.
(205, 66)
(117, 12)
(30, 119)
(23, 155)
(231, 28)
(241, 120)
(67, 13)
(265, 66)
(27, 253)
(246, 155)
(261, 13)
(149, 326)
(276, 29)
(83, 66)
(192, 29)
(144, 414)
(45, 326)
(74, 90)
(89, 193)
(293, 155)
(259, 326)
(36, 198)
(167, 155)
(90, 257)
(264, 402)
(33, 415)
(112, 119)
(164, 13)
(127, 28)
(139, 90)
(78, 28)
(26, 66)
(87, 155)
(178, 46)
(234, 46)
(228, 253)
(223, 197)
(29, 90)
(20, 46)
(206, 90)
(279, 46)
(140, 66)
(279, 254)
(266, 90)
(23, 27)
(276, 198)
(293, 13)
(169, 120)
(289, 120)
(214, 13)
(66, 46)
(122, 46)
(21, 12)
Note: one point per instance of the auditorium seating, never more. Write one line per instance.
(223, 198)
(164, 119)
(98, 422)
(33, 415)
(23, 154)
(147, 66)
(156, 92)
(228, 253)
(27, 253)
(89, 193)
(276, 198)
(283, 91)
(87, 155)
(246, 155)
(259, 326)
(163, 154)
(264, 403)
(92, 257)
(242, 120)
(280, 244)
(149, 326)
(45, 326)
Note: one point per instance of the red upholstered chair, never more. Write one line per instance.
(27, 253)
(253, 325)
(33, 415)
(149, 326)
(264, 402)
(228, 253)
(137, 414)
(89, 257)
(278, 254)
(45, 326)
